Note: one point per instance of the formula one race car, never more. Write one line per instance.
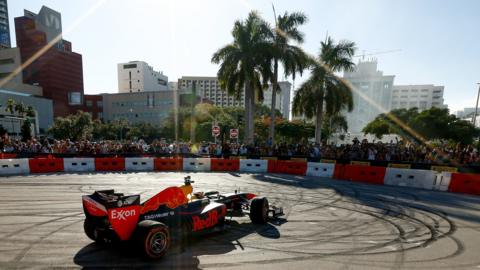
(112, 217)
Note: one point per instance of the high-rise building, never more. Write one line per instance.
(209, 88)
(283, 99)
(138, 76)
(4, 25)
(56, 68)
(11, 78)
(423, 97)
(372, 94)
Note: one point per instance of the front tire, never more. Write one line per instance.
(153, 238)
(259, 210)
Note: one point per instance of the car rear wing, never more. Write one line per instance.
(101, 201)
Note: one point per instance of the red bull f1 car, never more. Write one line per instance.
(113, 217)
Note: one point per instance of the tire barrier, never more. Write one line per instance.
(79, 164)
(465, 183)
(320, 169)
(442, 181)
(364, 174)
(14, 166)
(254, 165)
(110, 164)
(168, 164)
(45, 165)
(196, 164)
(139, 164)
(410, 178)
(226, 165)
(288, 167)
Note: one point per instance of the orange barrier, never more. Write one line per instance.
(168, 164)
(288, 167)
(110, 164)
(465, 183)
(364, 174)
(339, 171)
(220, 164)
(7, 155)
(45, 165)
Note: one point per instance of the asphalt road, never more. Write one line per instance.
(328, 225)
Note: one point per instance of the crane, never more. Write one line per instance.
(376, 53)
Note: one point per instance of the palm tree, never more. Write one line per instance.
(292, 58)
(324, 89)
(243, 65)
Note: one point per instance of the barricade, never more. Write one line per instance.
(410, 178)
(79, 164)
(196, 164)
(229, 165)
(168, 164)
(14, 166)
(288, 167)
(110, 164)
(465, 183)
(442, 181)
(139, 164)
(254, 165)
(7, 155)
(364, 174)
(339, 171)
(45, 165)
(320, 169)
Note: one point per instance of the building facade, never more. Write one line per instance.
(11, 77)
(138, 107)
(4, 25)
(57, 69)
(423, 97)
(209, 88)
(372, 94)
(283, 99)
(94, 106)
(138, 76)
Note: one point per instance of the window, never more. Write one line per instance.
(74, 98)
(128, 66)
(99, 103)
(89, 103)
(7, 61)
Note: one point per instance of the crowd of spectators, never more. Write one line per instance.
(357, 150)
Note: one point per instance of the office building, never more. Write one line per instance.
(283, 99)
(94, 106)
(466, 113)
(372, 94)
(138, 107)
(138, 76)
(58, 70)
(4, 25)
(11, 77)
(209, 88)
(423, 97)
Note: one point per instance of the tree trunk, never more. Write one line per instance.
(249, 109)
(319, 122)
(274, 101)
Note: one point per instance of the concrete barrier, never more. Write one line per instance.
(254, 165)
(139, 164)
(14, 166)
(320, 169)
(79, 164)
(196, 164)
(410, 178)
(442, 181)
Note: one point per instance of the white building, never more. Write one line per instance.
(138, 76)
(466, 113)
(209, 88)
(423, 97)
(283, 99)
(372, 94)
(173, 86)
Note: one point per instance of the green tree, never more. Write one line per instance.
(75, 127)
(243, 65)
(25, 112)
(335, 123)
(324, 91)
(292, 58)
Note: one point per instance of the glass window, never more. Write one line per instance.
(74, 98)
(89, 103)
(99, 103)
(7, 61)
(129, 66)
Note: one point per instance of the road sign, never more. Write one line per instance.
(233, 133)
(215, 131)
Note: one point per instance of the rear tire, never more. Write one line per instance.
(153, 238)
(259, 210)
(89, 229)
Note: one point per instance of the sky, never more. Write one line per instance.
(439, 40)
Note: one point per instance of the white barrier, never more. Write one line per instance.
(14, 166)
(442, 181)
(138, 164)
(196, 164)
(410, 178)
(79, 164)
(254, 165)
(320, 169)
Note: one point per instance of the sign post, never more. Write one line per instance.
(215, 132)
(234, 134)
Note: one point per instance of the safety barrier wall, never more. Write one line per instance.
(45, 165)
(254, 165)
(288, 167)
(228, 165)
(14, 166)
(465, 183)
(79, 164)
(139, 164)
(320, 169)
(7, 155)
(168, 164)
(110, 164)
(410, 178)
(442, 181)
(196, 164)
(365, 174)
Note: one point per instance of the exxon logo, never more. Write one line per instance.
(123, 214)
